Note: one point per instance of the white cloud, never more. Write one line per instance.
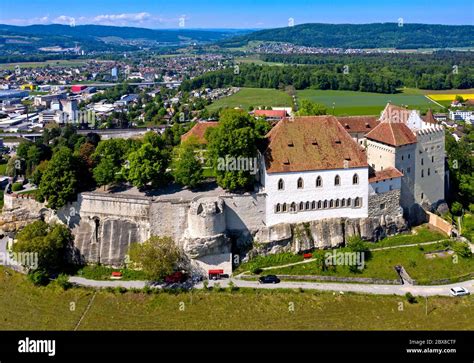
(64, 19)
(122, 18)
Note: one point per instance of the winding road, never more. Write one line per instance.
(417, 290)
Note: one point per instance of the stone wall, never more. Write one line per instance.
(244, 213)
(390, 200)
(440, 223)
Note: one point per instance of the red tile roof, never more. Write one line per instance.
(270, 113)
(359, 124)
(199, 131)
(429, 118)
(311, 143)
(392, 133)
(380, 175)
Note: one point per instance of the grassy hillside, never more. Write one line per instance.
(377, 35)
(255, 97)
(26, 307)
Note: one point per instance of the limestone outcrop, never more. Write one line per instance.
(204, 246)
(322, 234)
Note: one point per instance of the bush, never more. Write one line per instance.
(456, 208)
(471, 208)
(462, 249)
(120, 290)
(63, 281)
(38, 278)
(410, 298)
(257, 271)
(17, 187)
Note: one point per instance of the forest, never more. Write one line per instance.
(381, 73)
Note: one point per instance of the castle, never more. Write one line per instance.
(320, 180)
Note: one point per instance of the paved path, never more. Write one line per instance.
(324, 286)
(410, 245)
(108, 283)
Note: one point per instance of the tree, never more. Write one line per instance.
(456, 208)
(50, 241)
(15, 167)
(308, 108)
(158, 256)
(235, 137)
(109, 158)
(147, 165)
(186, 167)
(59, 181)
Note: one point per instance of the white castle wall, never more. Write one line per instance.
(310, 193)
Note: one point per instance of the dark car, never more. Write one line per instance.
(269, 279)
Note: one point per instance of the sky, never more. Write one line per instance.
(246, 14)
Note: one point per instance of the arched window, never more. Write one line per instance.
(331, 204)
(313, 205)
(343, 202)
(325, 204)
(307, 206)
(357, 202)
(337, 180)
(278, 208)
(283, 208)
(293, 207)
(348, 202)
(337, 203)
(319, 204)
(301, 206)
(319, 182)
(355, 179)
(300, 183)
(281, 185)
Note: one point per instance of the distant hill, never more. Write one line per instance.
(377, 35)
(98, 37)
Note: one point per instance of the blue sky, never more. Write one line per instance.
(233, 14)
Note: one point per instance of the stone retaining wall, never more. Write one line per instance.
(363, 280)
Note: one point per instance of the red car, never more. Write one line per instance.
(176, 277)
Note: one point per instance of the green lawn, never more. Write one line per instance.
(468, 227)
(3, 169)
(417, 235)
(363, 103)
(104, 273)
(381, 265)
(267, 261)
(27, 307)
(255, 97)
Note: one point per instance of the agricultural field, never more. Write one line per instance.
(255, 97)
(51, 63)
(342, 103)
(27, 307)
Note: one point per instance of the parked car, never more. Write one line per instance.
(459, 291)
(176, 277)
(269, 279)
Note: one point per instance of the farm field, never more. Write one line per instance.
(27, 307)
(449, 96)
(363, 103)
(255, 97)
(52, 63)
